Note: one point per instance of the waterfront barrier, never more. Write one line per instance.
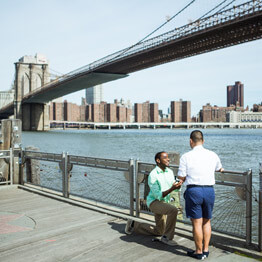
(55, 124)
(120, 186)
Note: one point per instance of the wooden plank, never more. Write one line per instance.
(65, 232)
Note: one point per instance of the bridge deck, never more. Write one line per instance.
(38, 228)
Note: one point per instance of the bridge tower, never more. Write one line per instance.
(30, 74)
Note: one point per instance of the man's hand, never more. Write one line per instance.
(177, 185)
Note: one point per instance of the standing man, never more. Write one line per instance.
(161, 182)
(197, 168)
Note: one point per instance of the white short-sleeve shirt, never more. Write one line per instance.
(199, 166)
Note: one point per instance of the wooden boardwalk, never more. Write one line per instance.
(38, 228)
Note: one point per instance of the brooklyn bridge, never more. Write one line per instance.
(224, 28)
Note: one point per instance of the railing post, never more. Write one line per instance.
(21, 166)
(65, 175)
(249, 207)
(11, 166)
(260, 209)
(131, 185)
(137, 191)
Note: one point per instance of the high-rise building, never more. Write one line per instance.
(94, 95)
(138, 112)
(146, 112)
(180, 111)
(154, 114)
(128, 114)
(121, 113)
(111, 113)
(95, 112)
(235, 93)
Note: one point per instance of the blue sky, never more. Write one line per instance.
(75, 33)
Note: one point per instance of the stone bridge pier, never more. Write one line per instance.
(31, 73)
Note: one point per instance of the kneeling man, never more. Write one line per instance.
(161, 182)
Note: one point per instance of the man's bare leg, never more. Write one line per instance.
(206, 233)
(198, 234)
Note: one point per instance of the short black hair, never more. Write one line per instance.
(158, 155)
(196, 136)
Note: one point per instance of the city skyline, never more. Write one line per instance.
(85, 31)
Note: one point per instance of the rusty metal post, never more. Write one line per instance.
(249, 207)
(137, 190)
(65, 180)
(131, 185)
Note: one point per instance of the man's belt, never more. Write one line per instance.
(188, 186)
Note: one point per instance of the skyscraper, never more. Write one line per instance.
(94, 95)
(235, 93)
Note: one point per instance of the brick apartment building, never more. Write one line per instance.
(180, 111)
(64, 111)
(71, 112)
(111, 113)
(154, 113)
(217, 113)
(102, 112)
(56, 111)
(121, 114)
(138, 113)
(146, 112)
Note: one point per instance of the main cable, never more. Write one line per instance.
(144, 38)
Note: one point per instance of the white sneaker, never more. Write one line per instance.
(166, 241)
(129, 228)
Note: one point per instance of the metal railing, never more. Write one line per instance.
(123, 184)
(97, 179)
(238, 193)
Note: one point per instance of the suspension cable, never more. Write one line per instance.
(140, 41)
(225, 6)
(214, 9)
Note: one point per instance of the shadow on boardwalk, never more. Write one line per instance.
(147, 241)
(44, 229)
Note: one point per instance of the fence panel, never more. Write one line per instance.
(102, 181)
(43, 169)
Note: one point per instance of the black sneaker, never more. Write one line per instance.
(205, 254)
(196, 256)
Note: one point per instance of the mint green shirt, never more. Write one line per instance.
(159, 181)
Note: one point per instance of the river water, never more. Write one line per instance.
(239, 149)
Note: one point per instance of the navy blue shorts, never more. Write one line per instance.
(199, 201)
